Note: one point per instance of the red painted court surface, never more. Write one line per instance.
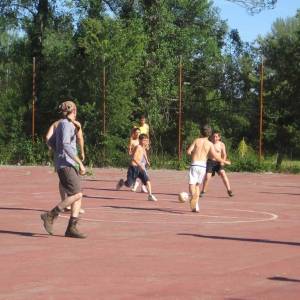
(245, 247)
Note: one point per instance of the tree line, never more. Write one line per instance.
(120, 59)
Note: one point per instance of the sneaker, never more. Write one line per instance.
(144, 189)
(119, 184)
(151, 197)
(202, 194)
(230, 193)
(196, 209)
(68, 210)
(134, 188)
(194, 205)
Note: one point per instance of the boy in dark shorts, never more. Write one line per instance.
(137, 167)
(68, 166)
(213, 166)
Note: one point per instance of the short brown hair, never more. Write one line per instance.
(67, 107)
(206, 130)
(143, 136)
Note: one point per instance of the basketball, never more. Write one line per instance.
(183, 197)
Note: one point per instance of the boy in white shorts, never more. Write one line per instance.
(200, 149)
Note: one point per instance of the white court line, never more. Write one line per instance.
(122, 210)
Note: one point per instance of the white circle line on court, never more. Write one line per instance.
(171, 213)
(271, 217)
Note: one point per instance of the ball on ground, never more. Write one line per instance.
(183, 197)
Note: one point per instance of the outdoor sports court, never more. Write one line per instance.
(245, 247)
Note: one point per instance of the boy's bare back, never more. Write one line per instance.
(200, 149)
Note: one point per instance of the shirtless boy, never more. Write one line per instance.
(137, 167)
(200, 150)
(214, 166)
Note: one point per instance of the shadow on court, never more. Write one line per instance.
(279, 278)
(273, 193)
(106, 198)
(146, 209)
(100, 180)
(215, 237)
(126, 190)
(22, 233)
(21, 208)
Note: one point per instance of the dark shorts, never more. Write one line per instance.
(133, 173)
(69, 179)
(213, 167)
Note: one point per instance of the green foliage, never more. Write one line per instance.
(243, 148)
(118, 59)
(282, 75)
(24, 152)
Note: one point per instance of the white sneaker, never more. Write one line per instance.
(68, 210)
(119, 184)
(151, 197)
(135, 186)
(144, 189)
(196, 209)
(194, 205)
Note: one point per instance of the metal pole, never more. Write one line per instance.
(33, 97)
(180, 110)
(261, 108)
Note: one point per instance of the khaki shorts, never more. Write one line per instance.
(69, 179)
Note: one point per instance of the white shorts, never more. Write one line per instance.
(197, 172)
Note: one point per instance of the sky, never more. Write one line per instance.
(250, 26)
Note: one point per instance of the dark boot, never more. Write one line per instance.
(72, 230)
(49, 218)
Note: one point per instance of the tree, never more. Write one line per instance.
(281, 51)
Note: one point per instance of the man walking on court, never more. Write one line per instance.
(79, 140)
(63, 142)
(200, 149)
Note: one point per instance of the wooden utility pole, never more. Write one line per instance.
(33, 97)
(261, 107)
(180, 110)
(104, 99)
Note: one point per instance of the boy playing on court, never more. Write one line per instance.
(200, 149)
(63, 142)
(137, 167)
(214, 166)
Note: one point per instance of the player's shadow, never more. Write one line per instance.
(215, 237)
(100, 180)
(125, 190)
(100, 189)
(279, 278)
(105, 198)
(285, 186)
(21, 208)
(290, 194)
(22, 233)
(146, 209)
